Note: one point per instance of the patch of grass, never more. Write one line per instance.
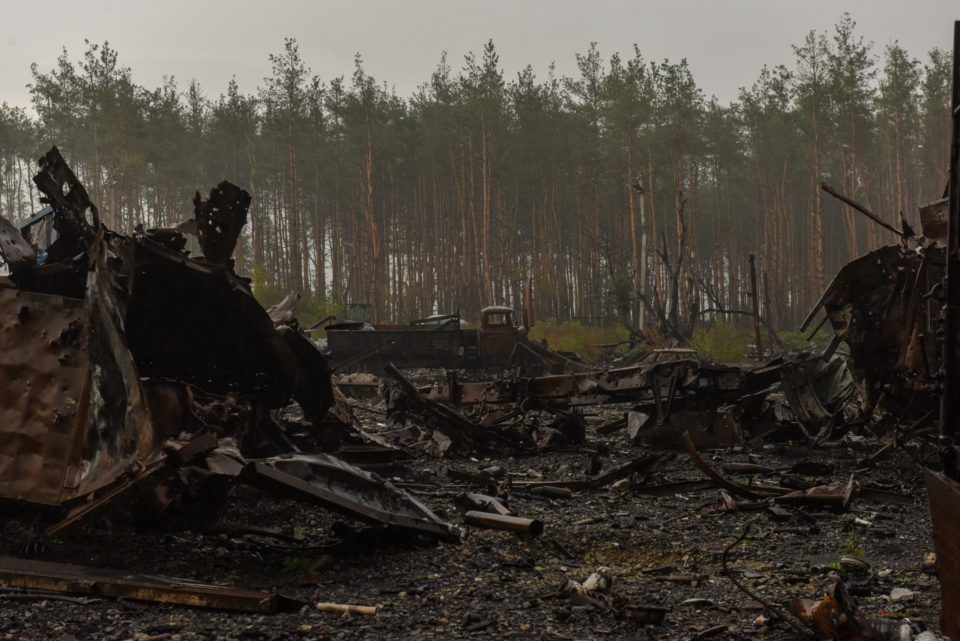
(853, 545)
(798, 340)
(298, 564)
(723, 342)
(574, 336)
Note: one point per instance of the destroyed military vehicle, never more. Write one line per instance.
(129, 368)
(442, 342)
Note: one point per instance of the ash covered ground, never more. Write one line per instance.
(657, 551)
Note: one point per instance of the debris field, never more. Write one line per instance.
(177, 462)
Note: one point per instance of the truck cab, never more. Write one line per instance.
(498, 333)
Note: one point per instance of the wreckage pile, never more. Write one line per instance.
(141, 381)
(129, 367)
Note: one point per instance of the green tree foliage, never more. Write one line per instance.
(454, 197)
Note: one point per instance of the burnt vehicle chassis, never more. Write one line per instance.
(129, 368)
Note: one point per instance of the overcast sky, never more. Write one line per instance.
(725, 41)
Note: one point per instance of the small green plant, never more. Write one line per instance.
(296, 564)
(853, 545)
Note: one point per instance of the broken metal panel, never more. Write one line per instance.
(120, 436)
(220, 219)
(819, 393)
(310, 378)
(44, 375)
(76, 218)
(198, 322)
(327, 480)
(76, 579)
(876, 306)
(933, 222)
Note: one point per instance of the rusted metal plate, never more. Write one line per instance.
(944, 496)
(43, 373)
(76, 579)
(327, 480)
(933, 222)
(877, 305)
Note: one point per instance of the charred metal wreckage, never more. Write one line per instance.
(130, 369)
(671, 392)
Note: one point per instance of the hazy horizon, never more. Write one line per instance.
(725, 43)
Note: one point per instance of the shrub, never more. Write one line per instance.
(308, 310)
(722, 342)
(574, 336)
(798, 340)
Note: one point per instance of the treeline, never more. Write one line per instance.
(620, 192)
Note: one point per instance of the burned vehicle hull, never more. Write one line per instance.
(440, 342)
(890, 308)
(879, 306)
(131, 368)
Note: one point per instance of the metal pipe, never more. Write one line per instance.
(533, 527)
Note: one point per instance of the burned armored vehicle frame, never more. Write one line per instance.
(129, 367)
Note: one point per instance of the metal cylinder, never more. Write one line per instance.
(533, 527)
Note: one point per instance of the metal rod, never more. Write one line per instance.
(533, 527)
(863, 210)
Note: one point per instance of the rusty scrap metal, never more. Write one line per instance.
(344, 488)
(75, 579)
(747, 492)
(877, 305)
(533, 527)
(634, 384)
(944, 496)
(464, 434)
(837, 616)
(950, 404)
(482, 502)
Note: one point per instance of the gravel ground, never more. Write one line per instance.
(658, 550)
